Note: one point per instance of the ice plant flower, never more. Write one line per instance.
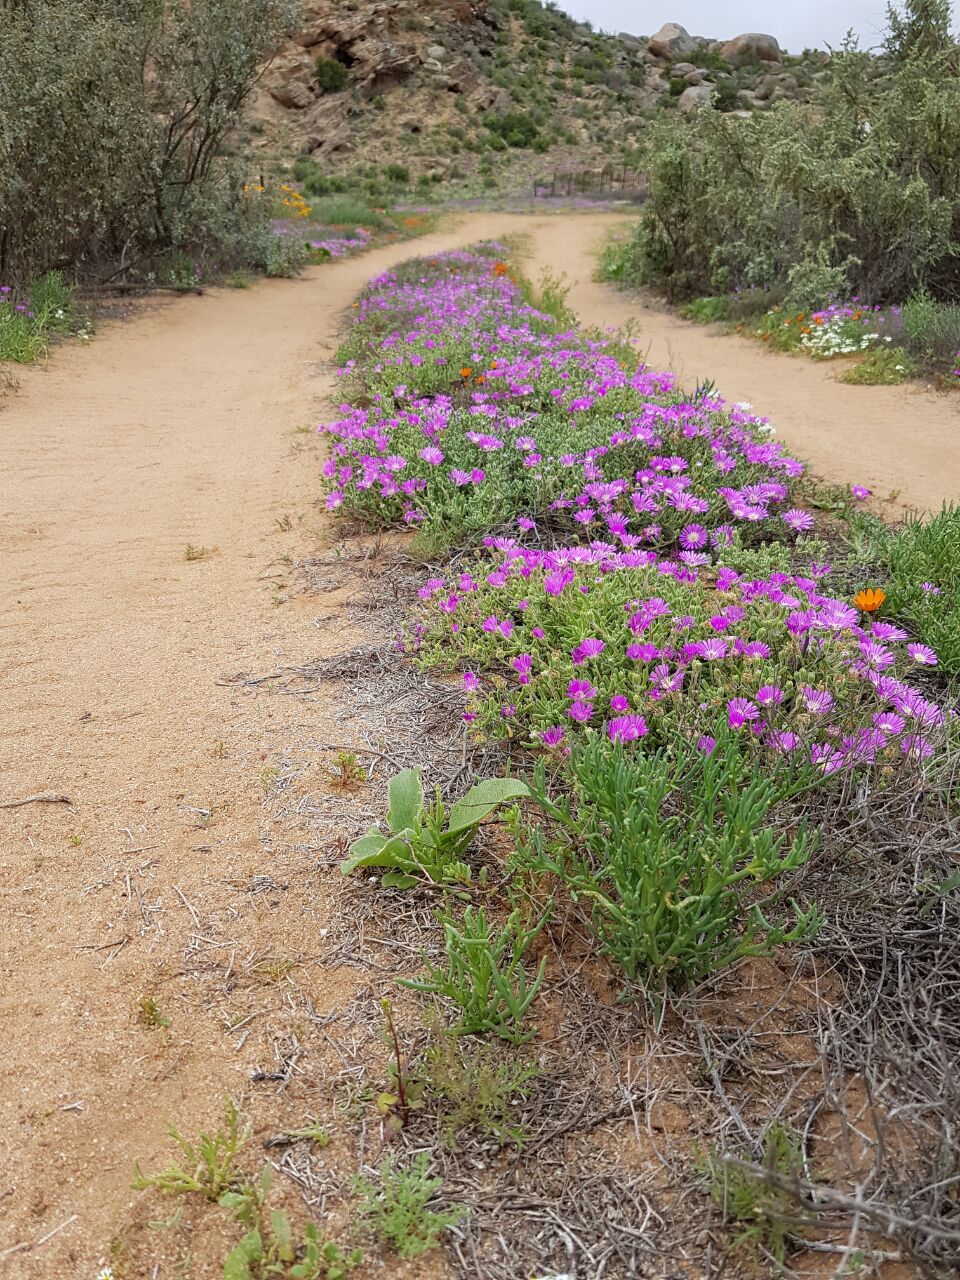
(923, 654)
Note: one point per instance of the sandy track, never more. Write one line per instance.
(897, 440)
(181, 426)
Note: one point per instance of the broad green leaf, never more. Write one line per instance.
(406, 800)
(381, 852)
(482, 799)
(399, 880)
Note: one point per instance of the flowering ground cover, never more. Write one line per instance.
(724, 729)
(614, 508)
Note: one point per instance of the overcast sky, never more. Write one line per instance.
(813, 23)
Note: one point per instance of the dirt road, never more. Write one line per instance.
(896, 440)
(189, 425)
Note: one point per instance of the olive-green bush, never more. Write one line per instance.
(113, 119)
(857, 192)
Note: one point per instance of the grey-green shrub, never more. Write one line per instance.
(856, 192)
(113, 118)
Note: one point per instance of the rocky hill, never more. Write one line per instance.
(412, 92)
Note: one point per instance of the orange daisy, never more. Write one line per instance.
(869, 600)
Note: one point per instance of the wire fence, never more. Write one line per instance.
(612, 180)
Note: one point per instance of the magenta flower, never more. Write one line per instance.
(819, 701)
(798, 521)
(471, 682)
(643, 652)
(706, 744)
(916, 747)
(581, 712)
(769, 695)
(553, 736)
(741, 711)
(922, 654)
(860, 491)
(626, 728)
(589, 648)
(619, 703)
(432, 454)
(523, 665)
(693, 537)
(581, 689)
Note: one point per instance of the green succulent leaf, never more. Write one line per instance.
(481, 800)
(406, 801)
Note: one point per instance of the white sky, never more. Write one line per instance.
(814, 23)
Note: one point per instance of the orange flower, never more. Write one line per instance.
(465, 372)
(818, 320)
(869, 600)
(500, 268)
(481, 377)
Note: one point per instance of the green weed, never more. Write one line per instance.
(485, 976)
(396, 1207)
(209, 1163)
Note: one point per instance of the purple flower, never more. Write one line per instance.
(589, 648)
(769, 695)
(581, 712)
(860, 491)
(643, 652)
(741, 711)
(819, 701)
(693, 537)
(626, 728)
(432, 454)
(523, 665)
(581, 689)
(923, 654)
(553, 736)
(712, 649)
(471, 682)
(619, 703)
(798, 521)
(889, 722)
(706, 744)
(929, 587)
(916, 747)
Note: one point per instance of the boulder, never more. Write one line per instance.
(683, 68)
(437, 52)
(292, 79)
(673, 42)
(752, 46)
(697, 96)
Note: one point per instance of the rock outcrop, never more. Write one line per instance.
(673, 42)
(751, 47)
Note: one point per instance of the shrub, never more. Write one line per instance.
(397, 1207)
(810, 193)
(514, 128)
(398, 173)
(28, 323)
(113, 127)
(930, 332)
(332, 75)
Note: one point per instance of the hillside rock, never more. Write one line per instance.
(673, 42)
(752, 46)
(698, 95)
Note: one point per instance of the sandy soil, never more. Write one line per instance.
(187, 425)
(902, 441)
